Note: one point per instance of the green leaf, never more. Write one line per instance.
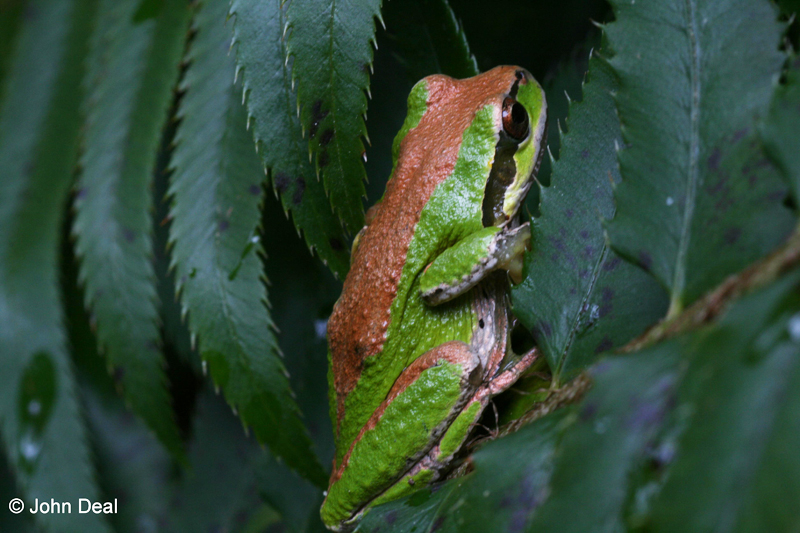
(42, 430)
(133, 67)
(736, 466)
(578, 297)
(427, 39)
(175, 333)
(272, 114)
(219, 492)
(492, 498)
(216, 193)
(331, 44)
(779, 129)
(697, 201)
(10, 22)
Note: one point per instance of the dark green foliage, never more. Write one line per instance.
(428, 40)
(740, 399)
(697, 201)
(789, 7)
(168, 119)
(216, 192)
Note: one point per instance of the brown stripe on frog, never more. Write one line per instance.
(360, 319)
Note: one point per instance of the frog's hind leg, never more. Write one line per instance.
(445, 378)
(438, 461)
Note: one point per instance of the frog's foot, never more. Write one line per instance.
(440, 458)
(505, 379)
(469, 261)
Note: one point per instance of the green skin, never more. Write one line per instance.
(450, 282)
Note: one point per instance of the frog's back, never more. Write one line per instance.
(383, 272)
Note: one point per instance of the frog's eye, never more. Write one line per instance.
(515, 119)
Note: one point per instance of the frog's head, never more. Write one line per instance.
(498, 117)
(521, 125)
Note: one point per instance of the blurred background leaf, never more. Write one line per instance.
(133, 62)
(43, 432)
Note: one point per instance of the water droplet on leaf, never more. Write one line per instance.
(37, 395)
(794, 327)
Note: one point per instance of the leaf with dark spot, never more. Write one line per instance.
(323, 159)
(326, 137)
(299, 189)
(605, 344)
(329, 43)
(272, 112)
(281, 182)
(336, 244)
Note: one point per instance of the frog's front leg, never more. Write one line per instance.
(470, 260)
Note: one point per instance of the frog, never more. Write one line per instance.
(419, 340)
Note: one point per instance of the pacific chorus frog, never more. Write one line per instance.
(418, 337)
